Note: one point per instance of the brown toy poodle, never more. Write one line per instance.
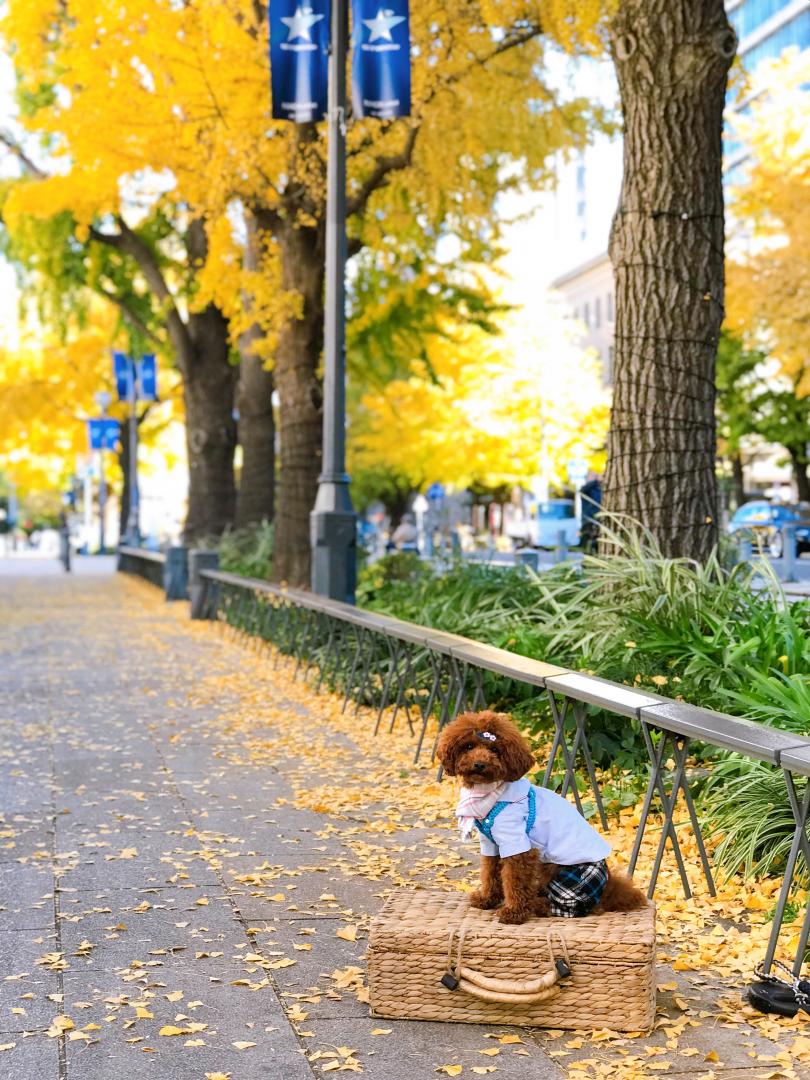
(539, 856)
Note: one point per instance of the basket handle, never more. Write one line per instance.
(508, 998)
(509, 986)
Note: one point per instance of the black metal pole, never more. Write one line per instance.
(333, 527)
(133, 531)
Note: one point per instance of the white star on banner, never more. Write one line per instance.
(382, 24)
(298, 25)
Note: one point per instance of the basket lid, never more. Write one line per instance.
(427, 921)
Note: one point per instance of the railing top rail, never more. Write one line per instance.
(142, 553)
(719, 729)
(617, 697)
(729, 732)
(797, 760)
(503, 662)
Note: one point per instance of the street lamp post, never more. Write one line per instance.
(333, 522)
(133, 532)
(103, 400)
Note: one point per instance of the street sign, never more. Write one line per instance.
(122, 369)
(143, 371)
(103, 433)
(147, 378)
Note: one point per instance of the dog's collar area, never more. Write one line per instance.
(487, 736)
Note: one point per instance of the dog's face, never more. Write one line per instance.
(484, 748)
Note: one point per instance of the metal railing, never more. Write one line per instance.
(426, 675)
(166, 569)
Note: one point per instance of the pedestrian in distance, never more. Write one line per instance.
(591, 499)
(64, 541)
(405, 535)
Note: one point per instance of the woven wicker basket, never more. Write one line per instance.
(508, 974)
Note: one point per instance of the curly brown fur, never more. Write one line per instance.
(620, 895)
(519, 881)
(490, 895)
(479, 762)
(520, 875)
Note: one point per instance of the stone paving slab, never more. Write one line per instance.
(134, 741)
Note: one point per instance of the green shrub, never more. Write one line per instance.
(708, 634)
(247, 551)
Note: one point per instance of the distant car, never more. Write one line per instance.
(762, 522)
(551, 518)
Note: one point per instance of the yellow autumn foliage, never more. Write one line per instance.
(151, 101)
(769, 272)
(484, 410)
(47, 393)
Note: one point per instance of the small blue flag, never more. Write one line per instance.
(103, 433)
(122, 369)
(381, 65)
(147, 378)
(299, 51)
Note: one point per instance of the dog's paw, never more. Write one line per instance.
(484, 901)
(513, 915)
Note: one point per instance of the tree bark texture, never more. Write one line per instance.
(798, 461)
(209, 384)
(256, 425)
(298, 357)
(257, 437)
(737, 479)
(672, 59)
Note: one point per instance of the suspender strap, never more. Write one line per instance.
(485, 826)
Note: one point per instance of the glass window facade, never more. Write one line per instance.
(751, 14)
(796, 32)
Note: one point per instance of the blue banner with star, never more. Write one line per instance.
(299, 51)
(381, 62)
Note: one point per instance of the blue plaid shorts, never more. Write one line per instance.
(575, 891)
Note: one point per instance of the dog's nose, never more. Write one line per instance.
(478, 766)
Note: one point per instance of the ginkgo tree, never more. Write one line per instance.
(480, 410)
(147, 89)
(47, 393)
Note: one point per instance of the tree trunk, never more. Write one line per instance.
(254, 404)
(798, 460)
(672, 59)
(298, 357)
(737, 479)
(257, 437)
(209, 383)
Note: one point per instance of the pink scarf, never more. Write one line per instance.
(475, 803)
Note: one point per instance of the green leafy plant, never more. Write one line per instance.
(247, 551)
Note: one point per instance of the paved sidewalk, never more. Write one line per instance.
(191, 847)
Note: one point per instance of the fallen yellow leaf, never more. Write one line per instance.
(243, 1045)
(347, 933)
(450, 1070)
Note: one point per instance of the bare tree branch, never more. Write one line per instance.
(27, 163)
(128, 241)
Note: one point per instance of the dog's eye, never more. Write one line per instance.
(469, 746)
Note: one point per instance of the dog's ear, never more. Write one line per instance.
(515, 755)
(445, 749)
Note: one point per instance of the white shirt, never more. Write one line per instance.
(560, 832)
